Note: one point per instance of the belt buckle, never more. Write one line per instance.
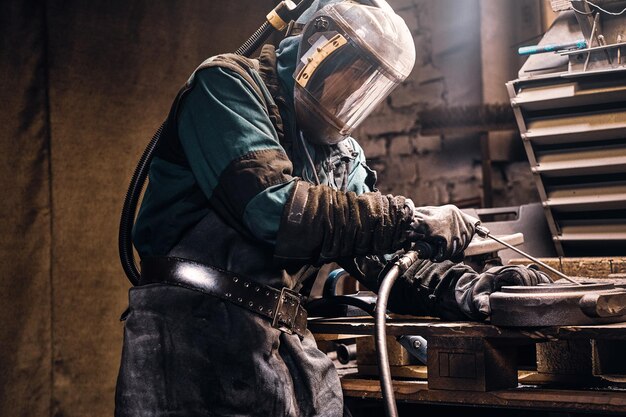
(286, 310)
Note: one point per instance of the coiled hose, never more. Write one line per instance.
(127, 219)
(256, 40)
(138, 180)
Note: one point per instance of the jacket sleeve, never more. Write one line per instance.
(321, 224)
(235, 156)
(234, 152)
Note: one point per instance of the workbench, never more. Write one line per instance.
(493, 378)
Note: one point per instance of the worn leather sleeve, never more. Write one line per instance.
(425, 289)
(321, 224)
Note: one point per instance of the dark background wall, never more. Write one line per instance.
(466, 51)
(84, 85)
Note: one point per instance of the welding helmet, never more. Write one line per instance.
(350, 58)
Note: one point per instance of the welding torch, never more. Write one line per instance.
(483, 232)
(425, 250)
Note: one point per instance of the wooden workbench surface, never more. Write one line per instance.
(609, 400)
(425, 327)
(605, 400)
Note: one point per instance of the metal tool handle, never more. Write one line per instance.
(603, 305)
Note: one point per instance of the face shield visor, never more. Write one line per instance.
(350, 58)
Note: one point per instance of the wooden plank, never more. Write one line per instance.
(566, 381)
(417, 372)
(398, 356)
(319, 337)
(598, 267)
(419, 326)
(611, 401)
(405, 371)
(615, 331)
(470, 364)
(434, 327)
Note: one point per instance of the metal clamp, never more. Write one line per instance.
(286, 310)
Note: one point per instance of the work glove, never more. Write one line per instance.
(425, 289)
(472, 291)
(446, 228)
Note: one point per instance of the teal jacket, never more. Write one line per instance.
(221, 121)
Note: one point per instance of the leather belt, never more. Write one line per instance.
(281, 307)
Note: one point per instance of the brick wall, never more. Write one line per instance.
(448, 72)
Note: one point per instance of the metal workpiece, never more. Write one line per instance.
(602, 34)
(603, 39)
(567, 92)
(483, 245)
(558, 305)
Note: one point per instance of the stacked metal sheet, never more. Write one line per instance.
(573, 125)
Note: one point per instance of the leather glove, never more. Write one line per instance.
(446, 228)
(425, 289)
(472, 291)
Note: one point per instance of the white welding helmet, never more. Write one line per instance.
(351, 56)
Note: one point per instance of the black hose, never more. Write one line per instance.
(138, 180)
(127, 219)
(386, 386)
(330, 286)
(314, 306)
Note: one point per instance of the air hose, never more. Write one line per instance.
(127, 257)
(421, 250)
(278, 19)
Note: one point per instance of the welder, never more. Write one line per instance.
(255, 183)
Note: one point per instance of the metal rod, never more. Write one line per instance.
(602, 42)
(593, 30)
(484, 232)
(594, 49)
